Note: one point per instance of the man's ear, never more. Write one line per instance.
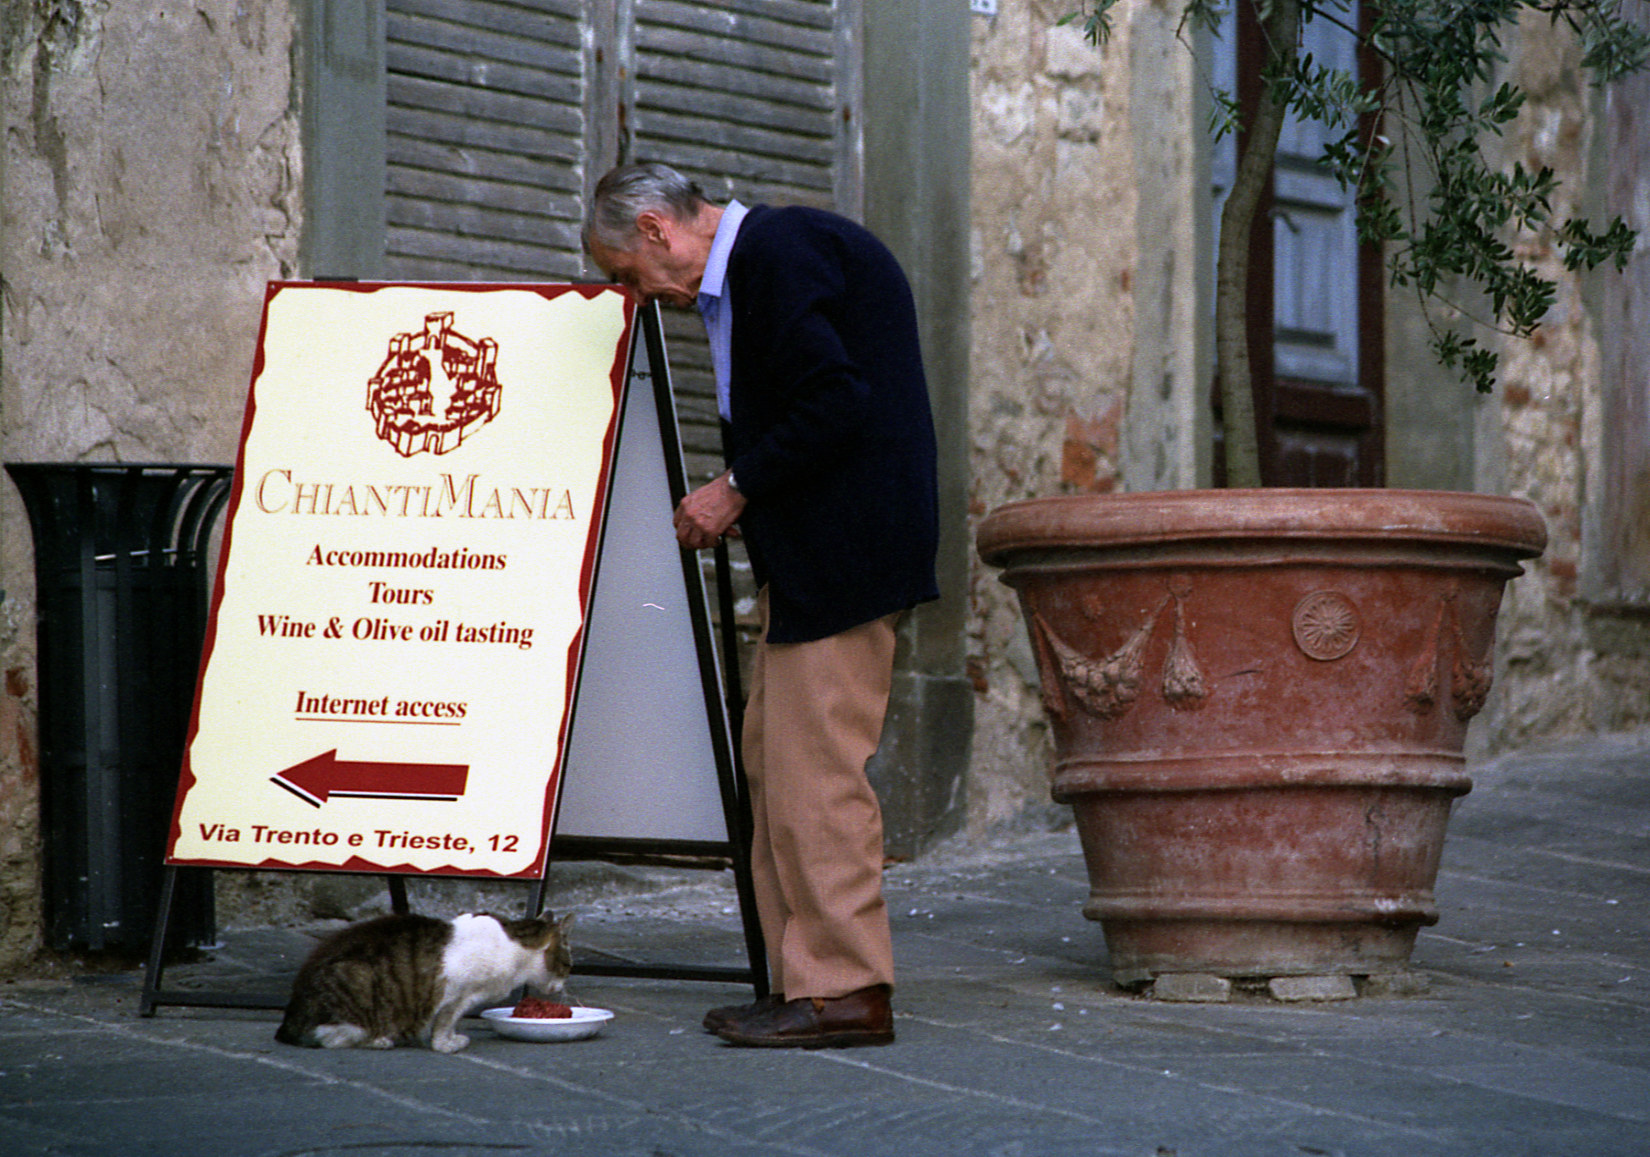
(653, 226)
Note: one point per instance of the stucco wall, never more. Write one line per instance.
(149, 189)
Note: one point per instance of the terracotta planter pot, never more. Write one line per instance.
(1259, 700)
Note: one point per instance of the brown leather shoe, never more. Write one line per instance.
(716, 1018)
(811, 1022)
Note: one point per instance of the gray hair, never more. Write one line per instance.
(632, 189)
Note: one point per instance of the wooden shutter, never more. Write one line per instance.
(485, 133)
(743, 95)
(490, 146)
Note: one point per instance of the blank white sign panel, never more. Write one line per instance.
(639, 761)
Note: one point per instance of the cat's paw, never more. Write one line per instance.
(450, 1042)
(338, 1036)
(379, 1042)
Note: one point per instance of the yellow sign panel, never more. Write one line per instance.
(396, 634)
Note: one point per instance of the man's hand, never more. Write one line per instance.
(708, 513)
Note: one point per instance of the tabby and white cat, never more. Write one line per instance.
(407, 979)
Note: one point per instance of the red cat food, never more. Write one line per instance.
(533, 1008)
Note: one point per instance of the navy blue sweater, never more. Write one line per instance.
(831, 439)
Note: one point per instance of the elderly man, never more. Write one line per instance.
(831, 481)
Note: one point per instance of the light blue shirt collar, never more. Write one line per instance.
(713, 304)
(721, 247)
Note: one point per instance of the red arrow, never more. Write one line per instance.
(321, 776)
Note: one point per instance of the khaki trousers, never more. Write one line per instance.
(813, 718)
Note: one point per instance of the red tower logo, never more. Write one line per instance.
(435, 388)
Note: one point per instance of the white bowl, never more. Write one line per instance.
(584, 1022)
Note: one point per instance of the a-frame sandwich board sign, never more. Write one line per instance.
(398, 636)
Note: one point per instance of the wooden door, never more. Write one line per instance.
(1314, 291)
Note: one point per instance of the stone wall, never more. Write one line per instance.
(1054, 243)
(1567, 665)
(150, 187)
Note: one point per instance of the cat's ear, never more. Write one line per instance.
(565, 924)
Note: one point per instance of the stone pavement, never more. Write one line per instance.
(1532, 1035)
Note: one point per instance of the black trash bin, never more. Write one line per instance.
(121, 589)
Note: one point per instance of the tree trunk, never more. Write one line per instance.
(1280, 29)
